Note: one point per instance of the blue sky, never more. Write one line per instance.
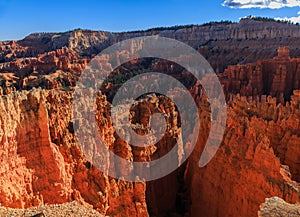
(20, 18)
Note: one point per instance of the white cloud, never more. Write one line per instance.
(291, 19)
(274, 4)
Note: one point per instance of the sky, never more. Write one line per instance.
(19, 18)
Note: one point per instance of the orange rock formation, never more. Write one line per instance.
(41, 162)
(277, 77)
(258, 159)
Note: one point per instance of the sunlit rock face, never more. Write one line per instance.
(256, 160)
(277, 77)
(41, 162)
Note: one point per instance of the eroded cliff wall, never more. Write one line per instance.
(258, 158)
(222, 44)
(277, 77)
(41, 163)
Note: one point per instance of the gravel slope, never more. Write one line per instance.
(55, 210)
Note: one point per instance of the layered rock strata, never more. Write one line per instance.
(41, 163)
(277, 77)
(258, 159)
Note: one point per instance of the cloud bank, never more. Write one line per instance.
(291, 19)
(274, 4)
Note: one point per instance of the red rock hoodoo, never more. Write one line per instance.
(277, 77)
(259, 157)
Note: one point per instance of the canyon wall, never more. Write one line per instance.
(41, 163)
(277, 77)
(222, 44)
(194, 35)
(258, 158)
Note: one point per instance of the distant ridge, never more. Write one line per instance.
(223, 43)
